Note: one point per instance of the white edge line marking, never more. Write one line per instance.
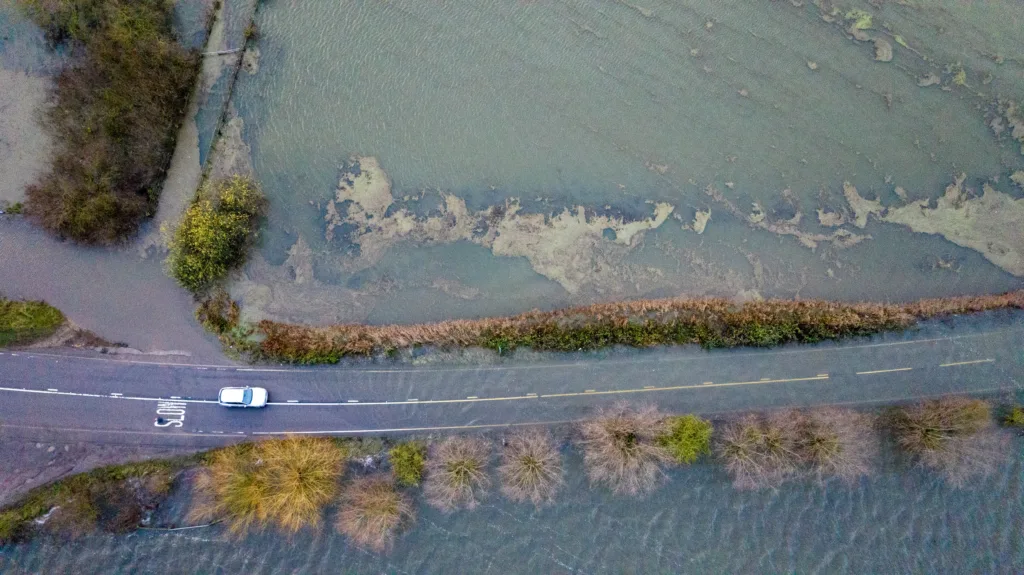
(884, 371)
(103, 396)
(990, 360)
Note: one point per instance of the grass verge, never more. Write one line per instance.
(111, 499)
(711, 323)
(116, 110)
(24, 322)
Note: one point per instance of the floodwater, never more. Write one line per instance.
(900, 521)
(495, 125)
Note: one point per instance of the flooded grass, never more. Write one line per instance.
(23, 322)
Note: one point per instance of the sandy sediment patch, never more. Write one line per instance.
(578, 250)
(231, 155)
(25, 149)
(990, 223)
(840, 238)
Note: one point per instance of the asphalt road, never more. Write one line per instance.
(98, 398)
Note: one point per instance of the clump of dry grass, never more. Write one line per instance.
(531, 468)
(952, 435)
(457, 473)
(835, 442)
(372, 512)
(760, 451)
(621, 449)
(285, 483)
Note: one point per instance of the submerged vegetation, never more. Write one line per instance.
(531, 468)
(112, 499)
(457, 473)
(215, 235)
(765, 450)
(711, 323)
(284, 483)
(25, 322)
(688, 438)
(407, 462)
(372, 511)
(289, 484)
(953, 435)
(116, 110)
(621, 448)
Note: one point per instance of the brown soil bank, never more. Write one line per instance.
(711, 323)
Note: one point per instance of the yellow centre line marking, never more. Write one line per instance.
(675, 387)
(473, 399)
(966, 362)
(884, 370)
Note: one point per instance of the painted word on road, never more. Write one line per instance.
(170, 414)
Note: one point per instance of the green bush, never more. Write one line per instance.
(1015, 418)
(407, 461)
(22, 322)
(215, 233)
(115, 115)
(688, 438)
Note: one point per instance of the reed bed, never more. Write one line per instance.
(709, 322)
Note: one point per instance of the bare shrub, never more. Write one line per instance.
(760, 451)
(457, 473)
(621, 449)
(836, 443)
(952, 435)
(531, 468)
(372, 512)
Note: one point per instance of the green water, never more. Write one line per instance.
(612, 107)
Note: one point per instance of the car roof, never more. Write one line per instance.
(232, 394)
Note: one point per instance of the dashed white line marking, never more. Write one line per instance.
(705, 383)
(822, 375)
(175, 397)
(353, 401)
(51, 389)
(472, 397)
(293, 401)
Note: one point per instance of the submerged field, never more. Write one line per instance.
(429, 161)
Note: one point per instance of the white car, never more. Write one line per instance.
(242, 397)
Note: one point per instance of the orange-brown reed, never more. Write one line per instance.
(710, 322)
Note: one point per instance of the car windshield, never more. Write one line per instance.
(247, 396)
